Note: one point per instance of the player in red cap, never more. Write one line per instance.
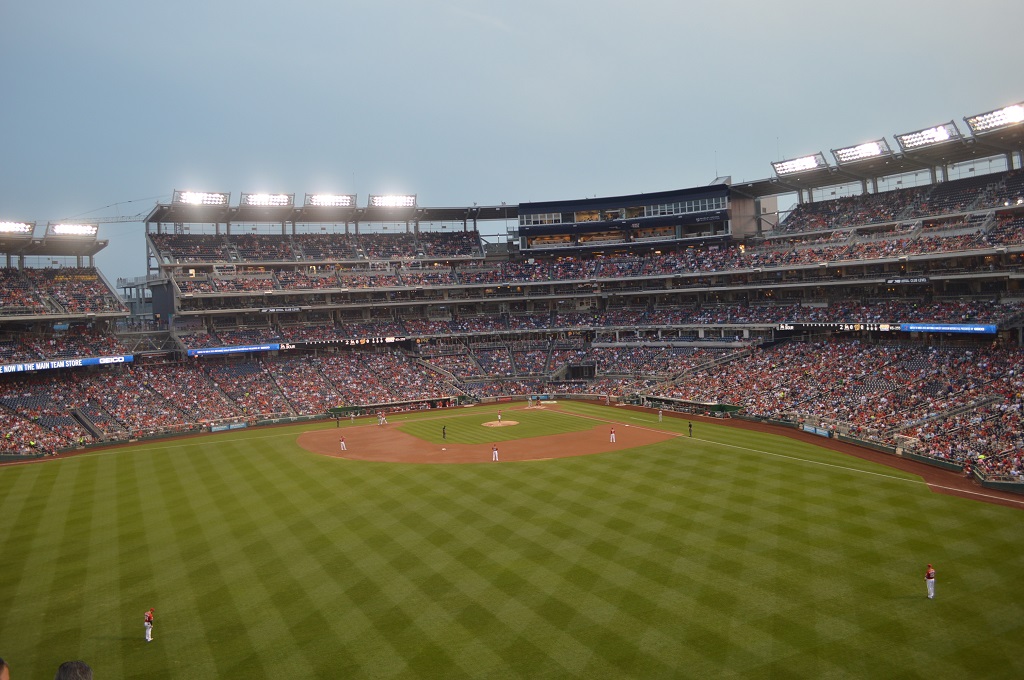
(149, 625)
(929, 580)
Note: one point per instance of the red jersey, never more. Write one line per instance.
(929, 575)
(149, 617)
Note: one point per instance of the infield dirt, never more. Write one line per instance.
(389, 444)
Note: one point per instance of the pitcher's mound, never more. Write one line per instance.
(500, 423)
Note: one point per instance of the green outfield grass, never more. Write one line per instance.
(727, 555)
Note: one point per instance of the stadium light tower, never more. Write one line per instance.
(268, 200)
(803, 164)
(996, 120)
(72, 230)
(392, 201)
(852, 154)
(218, 198)
(330, 200)
(929, 136)
(24, 228)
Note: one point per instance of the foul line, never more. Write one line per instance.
(869, 472)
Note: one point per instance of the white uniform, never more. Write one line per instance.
(929, 580)
(149, 626)
(343, 447)
(494, 454)
(611, 436)
(659, 415)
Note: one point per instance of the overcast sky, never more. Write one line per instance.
(109, 106)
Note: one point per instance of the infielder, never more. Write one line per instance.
(342, 443)
(611, 436)
(494, 453)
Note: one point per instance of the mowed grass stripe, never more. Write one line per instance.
(100, 617)
(249, 563)
(180, 633)
(65, 612)
(39, 595)
(26, 490)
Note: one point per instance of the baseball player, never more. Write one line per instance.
(659, 415)
(342, 443)
(149, 625)
(499, 415)
(494, 453)
(929, 580)
(611, 436)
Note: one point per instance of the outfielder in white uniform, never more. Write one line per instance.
(148, 622)
(929, 580)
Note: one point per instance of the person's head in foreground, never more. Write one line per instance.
(73, 670)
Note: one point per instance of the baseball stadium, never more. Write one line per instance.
(713, 432)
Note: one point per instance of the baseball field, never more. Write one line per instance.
(271, 553)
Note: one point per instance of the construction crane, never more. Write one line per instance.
(111, 219)
(114, 219)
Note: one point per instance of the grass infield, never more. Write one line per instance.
(731, 554)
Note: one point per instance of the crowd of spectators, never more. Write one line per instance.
(441, 276)
(320, 247)
(436, 244)
(530, 362)
(251, 387)
(495, 361)
(189, 389)
(942, 397)
(18, 295)
(852, 211)
(76, 290)
(950, 197)
(133, 410)
(327, 247)
(188, 248)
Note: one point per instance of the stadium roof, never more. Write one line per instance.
(52, 247)
(173, 213)
(957, 150)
